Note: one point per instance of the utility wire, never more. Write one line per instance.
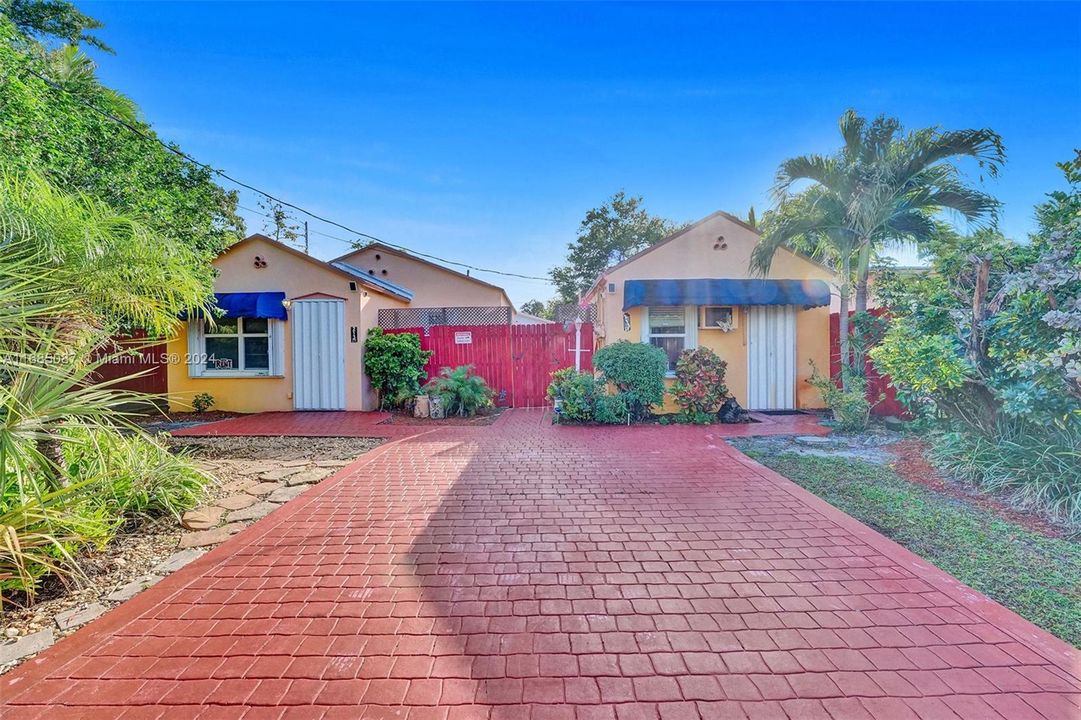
(222, 174)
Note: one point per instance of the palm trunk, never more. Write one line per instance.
(863, 269)
(54, 467)
(846, 276)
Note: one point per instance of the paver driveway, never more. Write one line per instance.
(524, 571)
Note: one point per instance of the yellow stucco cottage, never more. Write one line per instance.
(694, 289)
(293, 327)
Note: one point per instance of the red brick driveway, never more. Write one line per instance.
(529, 572)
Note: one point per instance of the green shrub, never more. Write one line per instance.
(612, 410)
(851, 409)
(699, 389)
(134, 474)
(395, 364)
(637, 370)
(577, 393)
(1037, 467)
(202, 402)
(43, 534)
(584, 399)
(463, 392)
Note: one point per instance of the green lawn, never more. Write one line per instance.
(1037, 577)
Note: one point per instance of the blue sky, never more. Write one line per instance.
(483, 133)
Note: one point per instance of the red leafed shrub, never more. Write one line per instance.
(699, 389)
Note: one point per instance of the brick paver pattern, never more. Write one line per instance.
(532, 572)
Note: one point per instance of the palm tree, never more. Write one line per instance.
(882, 187)
(813, 223)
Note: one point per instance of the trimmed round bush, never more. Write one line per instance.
(637, 370)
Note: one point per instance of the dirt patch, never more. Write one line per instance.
(910, 462)
(871, 447)
(402, 417)
(275, 448)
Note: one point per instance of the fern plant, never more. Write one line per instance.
(463, 392)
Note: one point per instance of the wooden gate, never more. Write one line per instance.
(878, 386)
(143, 370)
(517, 361)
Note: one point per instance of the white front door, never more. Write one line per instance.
(771, 357)
(318, 354)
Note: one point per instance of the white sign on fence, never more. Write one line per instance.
(463, 338)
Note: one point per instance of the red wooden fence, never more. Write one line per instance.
(517, 361)
(877, 384)
(149, 358)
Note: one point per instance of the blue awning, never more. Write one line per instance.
(252, 305)
(808, 293)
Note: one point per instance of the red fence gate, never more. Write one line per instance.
(145, 358)
(877, 385)
(517, 361)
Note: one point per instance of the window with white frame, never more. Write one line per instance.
(668, 331)
(234, 346)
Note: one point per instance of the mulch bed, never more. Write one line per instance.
(912, 464)
(404, 417)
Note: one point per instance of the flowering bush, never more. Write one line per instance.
(699, 389)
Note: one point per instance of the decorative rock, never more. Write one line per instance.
(263, 488)
(202, 518)
(75, 618)
(26, 645)
(280, 474)
(11, 633)
(236, 502)
(252, 513)
(306, 478)
(285, 494)
(210, 537)
(176, 561)
(133, 588)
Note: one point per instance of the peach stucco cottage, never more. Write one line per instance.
(694, 288)
(292, 334)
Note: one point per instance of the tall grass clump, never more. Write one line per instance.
(1039, 469)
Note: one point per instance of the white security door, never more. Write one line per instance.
(318, 354)
(771, 357)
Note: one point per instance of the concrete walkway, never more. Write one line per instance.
(531, 572)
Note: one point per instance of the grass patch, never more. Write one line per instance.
(1037, 577)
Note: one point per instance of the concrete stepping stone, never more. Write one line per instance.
(236, 502)
(74, 618)
(26, 645)
(176, 561)
(332, 463)
(210, 537)
(263, 488)
(252, 513)
(294, 463)
(256, 468)
(202, 518)
(280, 473)
(238, 486)
(133, 588)
(285, 494)
(307, 478)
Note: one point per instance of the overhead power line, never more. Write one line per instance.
(247, 186)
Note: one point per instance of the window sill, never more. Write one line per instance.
(234, 374)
